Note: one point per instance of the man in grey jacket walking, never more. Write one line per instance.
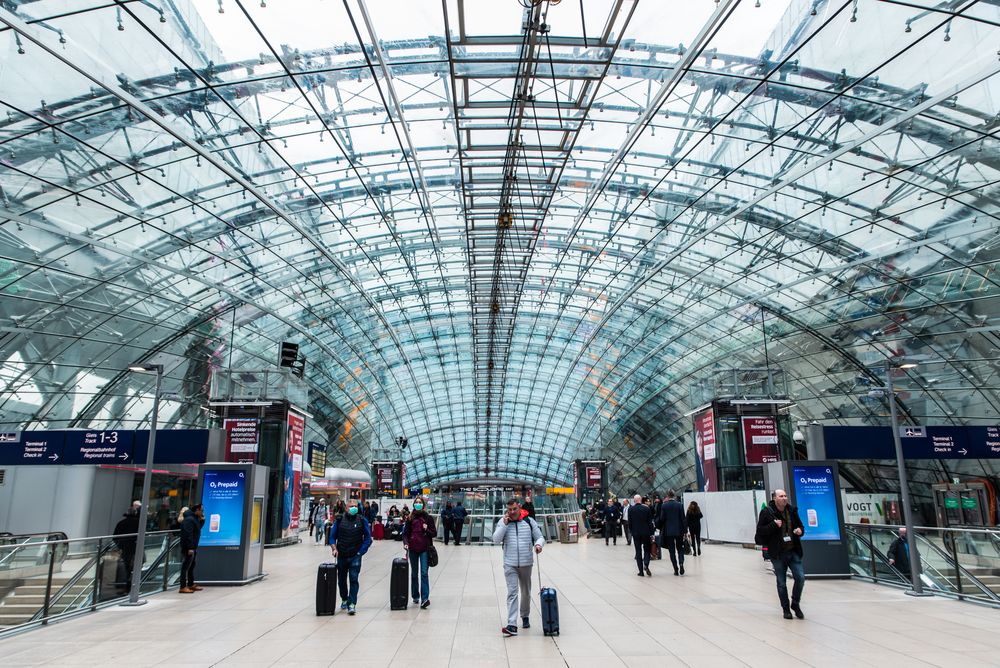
(518, 534)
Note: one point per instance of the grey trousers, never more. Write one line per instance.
(515, 575)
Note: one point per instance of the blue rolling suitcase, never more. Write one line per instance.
(549, 603)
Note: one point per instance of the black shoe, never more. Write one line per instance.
(508, 630)
(426, 604)
(682, 569)
(675, 572)
(649, 572)
(526, 624)
(798, 611)
(641, 574)
(787, 613)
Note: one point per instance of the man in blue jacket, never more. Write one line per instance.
(350, 537)
(458, 514)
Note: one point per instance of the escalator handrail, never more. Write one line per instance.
(959, 567)
(876, 552)
(171, 541)
(895, 527)
(10, 551)
(74, 580)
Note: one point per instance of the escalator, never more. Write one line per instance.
(73, 576)
(946, 558)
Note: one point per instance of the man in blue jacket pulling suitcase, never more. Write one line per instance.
(349, 538)
(521, 539)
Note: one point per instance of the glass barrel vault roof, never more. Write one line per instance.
(513, 232)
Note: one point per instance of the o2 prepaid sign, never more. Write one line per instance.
(223, 496)
(816, 498)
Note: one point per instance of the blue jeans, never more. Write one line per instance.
(789, 560)
(349, 568)
(420, 586)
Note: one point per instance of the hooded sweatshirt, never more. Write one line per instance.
(518, 540)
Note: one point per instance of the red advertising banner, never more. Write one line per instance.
(242, 439)
(704, 445)
(594, 477)
(293, 472)
(760, 440)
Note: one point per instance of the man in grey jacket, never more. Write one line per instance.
(517, 533)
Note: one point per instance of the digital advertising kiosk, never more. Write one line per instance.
(814, 488)
(231, 549)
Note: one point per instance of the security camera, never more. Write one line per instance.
(798, 437)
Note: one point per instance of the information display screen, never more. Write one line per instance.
(816, 498)
(222, 497)
(594, 477)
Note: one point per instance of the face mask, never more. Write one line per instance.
(353, 510)
(418, 506)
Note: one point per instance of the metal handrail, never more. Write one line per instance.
(79, 540)
(9, 551)
(960, 569)
(951, 560)
(93, 564)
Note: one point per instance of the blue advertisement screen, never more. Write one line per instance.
(222, 497)
(816, 498)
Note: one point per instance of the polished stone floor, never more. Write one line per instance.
(722, 613)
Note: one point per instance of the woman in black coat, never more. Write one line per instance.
(694, 527)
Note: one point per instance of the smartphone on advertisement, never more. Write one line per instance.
(813, 520)
(213, 523)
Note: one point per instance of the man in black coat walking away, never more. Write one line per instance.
(673, 526)
(899, 554)
(779, 527)
(125, 537)
(190, 537)
(640, 523)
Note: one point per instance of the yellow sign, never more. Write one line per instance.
(258, 511)
(427, 490)
(560, 490)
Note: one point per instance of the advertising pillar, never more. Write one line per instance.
(292, 478)
(814, 489)
(704, 451)
(230, 550)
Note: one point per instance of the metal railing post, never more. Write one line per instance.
(48, 584)
(871, 554)
(166, 565)
(954, 560)
(95, 595)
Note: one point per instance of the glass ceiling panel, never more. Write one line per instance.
(514, 235)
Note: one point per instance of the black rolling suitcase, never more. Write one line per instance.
(398, 577)
(326, 589)
(549, 603)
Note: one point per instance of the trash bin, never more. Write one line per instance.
(569, 531)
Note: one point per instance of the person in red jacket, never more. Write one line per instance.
(418, 532)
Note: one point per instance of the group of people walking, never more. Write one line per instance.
(349, 537)
(643, 518)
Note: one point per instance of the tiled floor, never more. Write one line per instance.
(722, 613)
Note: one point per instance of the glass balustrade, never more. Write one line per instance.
(42, 579)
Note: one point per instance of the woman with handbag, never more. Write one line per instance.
(418, 535)
(694, 527)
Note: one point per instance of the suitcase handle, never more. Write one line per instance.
(538, 558)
